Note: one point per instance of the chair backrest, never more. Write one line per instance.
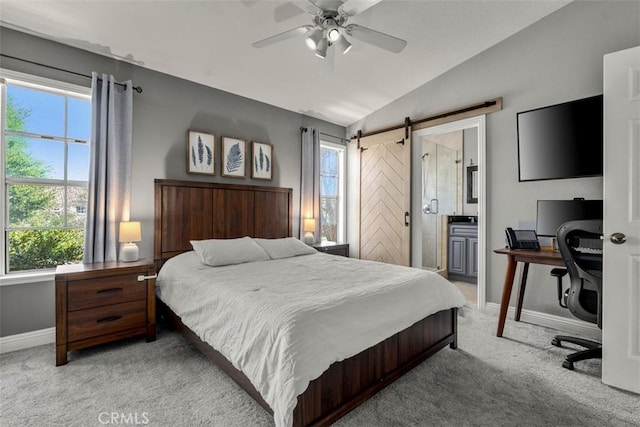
(580, 245)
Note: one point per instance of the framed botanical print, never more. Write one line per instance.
(233, 158)
(262, 161)
(200, 153)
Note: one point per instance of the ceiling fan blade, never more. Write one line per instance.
(376, 38)
(353, 7)
(304, 29)
(294, 8)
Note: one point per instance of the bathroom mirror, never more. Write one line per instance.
(472, 184)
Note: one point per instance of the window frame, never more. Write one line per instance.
(341, 231)
(10, 77)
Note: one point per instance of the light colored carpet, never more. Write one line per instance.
(487, 381)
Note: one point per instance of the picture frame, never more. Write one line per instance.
(201, 153)
(233, 157)
(261, 161)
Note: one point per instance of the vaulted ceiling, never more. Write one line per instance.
(209, 42)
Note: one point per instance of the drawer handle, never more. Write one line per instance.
(109, 291)
(142, 278)
(108, 319)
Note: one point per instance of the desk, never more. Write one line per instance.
(527, 257)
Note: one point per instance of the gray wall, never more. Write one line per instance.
(162, 114)
(557, 59)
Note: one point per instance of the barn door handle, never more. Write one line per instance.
(406, 219)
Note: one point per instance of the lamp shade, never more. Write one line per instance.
(309, 225)
(130, 232)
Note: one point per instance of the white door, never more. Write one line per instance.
(621, 279)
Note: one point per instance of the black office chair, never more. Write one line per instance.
(580, 245)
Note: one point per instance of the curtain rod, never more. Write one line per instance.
(304, 129)
(136, 88)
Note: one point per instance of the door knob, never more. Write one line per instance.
(618, 238)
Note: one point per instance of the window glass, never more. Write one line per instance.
(76, 210)
(332, 192)
(42, 112)
(79, 119)
(45, 175)
(34, 158)
(38, 249)
(35, 205)
(78, 167)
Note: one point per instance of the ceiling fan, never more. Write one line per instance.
(330, 26)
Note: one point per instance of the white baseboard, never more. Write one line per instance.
(562, 324)
(27, 340)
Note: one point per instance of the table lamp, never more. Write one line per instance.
(309, 227)
(129, 233)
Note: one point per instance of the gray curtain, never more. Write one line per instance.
(310, 179)
(110, 167)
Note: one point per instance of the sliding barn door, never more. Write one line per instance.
(385, 174)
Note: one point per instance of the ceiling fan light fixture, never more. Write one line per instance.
(333, 34)
(314, 39)
(344, 45)
(321, 50)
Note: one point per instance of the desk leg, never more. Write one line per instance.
(506, 292)
(523, 285)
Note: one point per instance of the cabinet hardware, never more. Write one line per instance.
(109, 291)
(108, 319)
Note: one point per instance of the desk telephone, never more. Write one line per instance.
(522, 239)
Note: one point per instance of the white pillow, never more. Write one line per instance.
(285, 248)
(218, 252)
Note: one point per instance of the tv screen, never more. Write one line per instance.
(561, 141)
(553, 213)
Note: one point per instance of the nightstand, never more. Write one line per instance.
(332, 248)
(102, 302)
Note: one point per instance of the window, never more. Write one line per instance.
(332, 190)
(46, 130)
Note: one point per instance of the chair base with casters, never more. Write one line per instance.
(580, 245)
(593, 350)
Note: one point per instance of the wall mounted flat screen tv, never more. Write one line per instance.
(561, 141)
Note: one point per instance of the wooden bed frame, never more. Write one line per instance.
(188, 210)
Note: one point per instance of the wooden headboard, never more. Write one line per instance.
(191, 210)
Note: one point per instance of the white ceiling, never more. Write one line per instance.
(209, 42)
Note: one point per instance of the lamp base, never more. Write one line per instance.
(308, 238)
(129, 252)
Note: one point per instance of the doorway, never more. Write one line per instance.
(448, 188)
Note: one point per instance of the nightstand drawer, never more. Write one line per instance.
(103, 320)
(341, 249)
(90, 293)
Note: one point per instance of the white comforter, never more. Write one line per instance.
(284, 322)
